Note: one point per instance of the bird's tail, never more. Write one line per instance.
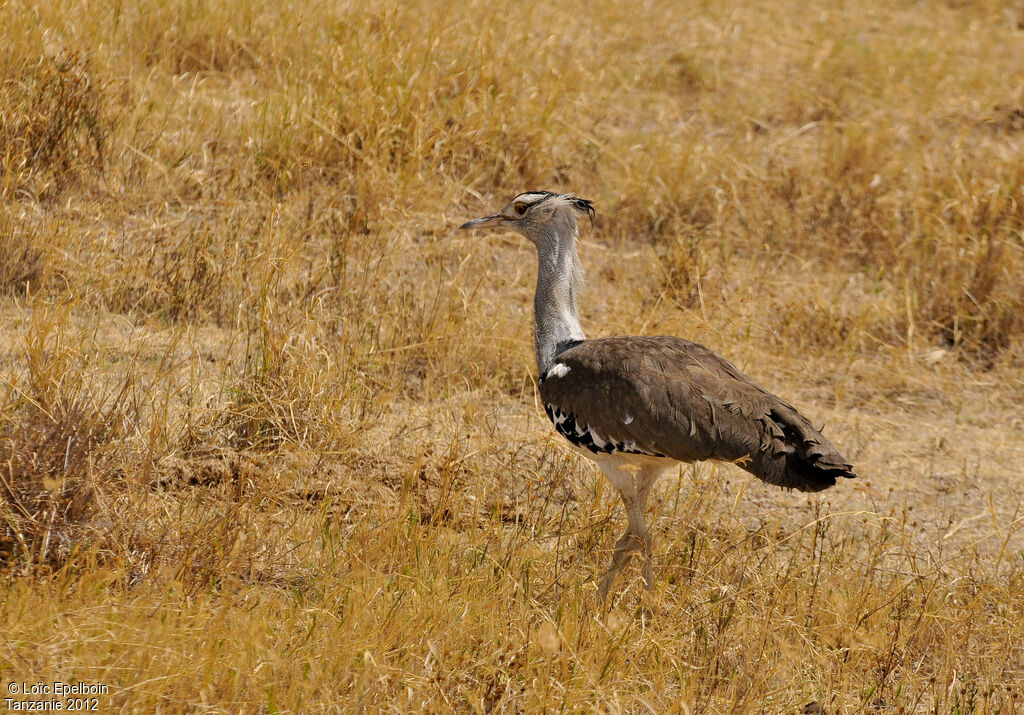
(812, 463)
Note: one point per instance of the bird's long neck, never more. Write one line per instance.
(556, 321)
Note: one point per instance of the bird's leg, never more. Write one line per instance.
(623, 552)
(645, 481)
(634, 484)
(637, 537)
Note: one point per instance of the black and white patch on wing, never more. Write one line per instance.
(585, 437)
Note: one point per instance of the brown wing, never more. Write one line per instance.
(671, 397)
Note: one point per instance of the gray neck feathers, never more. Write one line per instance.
(559, 282)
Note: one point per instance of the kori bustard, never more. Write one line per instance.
(638, 405)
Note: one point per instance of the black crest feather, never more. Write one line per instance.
(584, 206)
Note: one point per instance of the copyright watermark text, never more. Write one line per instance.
(54, 695)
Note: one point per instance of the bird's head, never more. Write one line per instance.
(540, 216)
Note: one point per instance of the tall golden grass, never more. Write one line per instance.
(269, 435)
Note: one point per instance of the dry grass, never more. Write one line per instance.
(269, 437)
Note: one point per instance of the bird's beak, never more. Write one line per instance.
(484, 222)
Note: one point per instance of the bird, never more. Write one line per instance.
(637, 405)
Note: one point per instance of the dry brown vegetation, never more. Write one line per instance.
(269, 434)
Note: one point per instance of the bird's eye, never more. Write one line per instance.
(520, 209)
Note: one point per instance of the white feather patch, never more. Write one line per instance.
(559, 369)
(628, 420)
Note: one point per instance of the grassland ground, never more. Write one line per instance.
(270, 438)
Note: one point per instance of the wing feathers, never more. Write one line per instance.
(668, 396)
